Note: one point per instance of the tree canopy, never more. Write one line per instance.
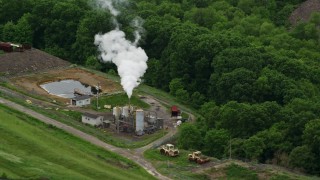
(252, 76)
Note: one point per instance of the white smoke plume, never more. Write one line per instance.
(137, 25)
(107, 4)
(130, 60)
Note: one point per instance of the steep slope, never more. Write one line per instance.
(29, 61)
(29, 149)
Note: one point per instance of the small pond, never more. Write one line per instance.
(66, 88)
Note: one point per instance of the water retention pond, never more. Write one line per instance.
(66, 88)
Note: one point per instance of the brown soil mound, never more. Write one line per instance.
(304, 11)
(28, 61)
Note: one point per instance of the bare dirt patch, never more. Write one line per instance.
(304, 11)
(29, 61)
(31, 83)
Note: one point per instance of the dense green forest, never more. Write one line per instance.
(253, 76)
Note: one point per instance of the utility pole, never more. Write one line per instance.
(230, 148)
(98, 88)
(118, 125)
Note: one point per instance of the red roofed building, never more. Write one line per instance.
(175, 111)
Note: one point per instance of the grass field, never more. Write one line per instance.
(234, 171)
(30, 149)
(23, 92)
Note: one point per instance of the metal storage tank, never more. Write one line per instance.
(125, 111)
(139, 120)
(131, 108)
(116, 112)
(152, 119)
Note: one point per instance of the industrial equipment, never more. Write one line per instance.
(198, 157)
(139, 120)
(150, 129)
(169, 150)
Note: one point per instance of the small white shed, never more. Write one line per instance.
(92, 119)
(80, 101)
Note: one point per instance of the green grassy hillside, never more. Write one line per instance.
(30, 149)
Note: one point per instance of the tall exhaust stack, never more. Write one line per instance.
(129, 103)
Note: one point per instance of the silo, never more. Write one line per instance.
(132, 108)
(139, 120)
(116, 112)
(125, 111)
(152, 119)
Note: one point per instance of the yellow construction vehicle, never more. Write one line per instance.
(169, 150)
(198, 157)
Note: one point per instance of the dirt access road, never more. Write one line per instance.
(132, 155)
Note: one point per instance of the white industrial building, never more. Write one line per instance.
(92, 119)
(80, 101)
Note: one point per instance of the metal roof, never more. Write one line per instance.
(174, 108)
(83, 97)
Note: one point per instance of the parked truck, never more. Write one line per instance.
(169, 150)
(198, 157)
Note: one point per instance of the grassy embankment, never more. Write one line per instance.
(30, 149)
(24, 93)
(180, 168)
